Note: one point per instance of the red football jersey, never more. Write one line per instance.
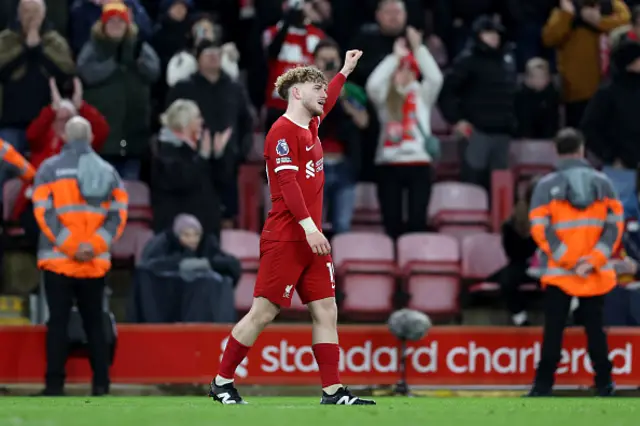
(289, 146)
(297, 50)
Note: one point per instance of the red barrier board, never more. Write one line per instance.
(470, 356)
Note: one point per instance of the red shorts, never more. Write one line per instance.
(286, 266)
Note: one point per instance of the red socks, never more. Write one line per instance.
(328, 359)
(233, 355)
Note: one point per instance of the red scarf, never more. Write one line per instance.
(404, 131)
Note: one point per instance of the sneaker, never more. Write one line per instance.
(344, 397)
(225, 394)
(609, 390)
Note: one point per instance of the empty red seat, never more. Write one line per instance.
(244, 245)
(367, 208)
(10, 193)
(460, 205)
(139, 201)
(430, 266)
(482, 255)
(365, 267)
(448, 168)
(532, 157)
(244, 291)
(128, 248)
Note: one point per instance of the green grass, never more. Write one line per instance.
(165, 411)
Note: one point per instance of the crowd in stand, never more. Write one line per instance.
(175, 89)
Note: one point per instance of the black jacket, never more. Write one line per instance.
(610, 122)
(377, 45)
(165, 251)
(184, 182)
(222, 104)
(537, 112)
(480, 88)
(340, 126)
(517, 248)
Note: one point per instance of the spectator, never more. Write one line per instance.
(85, 13)
(610, 126)
(527, 19)
(575, 34)
(455, 18)
(520, 249)
(225, 109)
(184, 64)
(340, 136)
(377, 40)
(537, 103)
(184, 277)
(171, 34)
(406, 147)
(118, 69)
(479, 97)
(30, 52)
(74, 247)
(45, 136)
(626, 32)
(288, 44)
(188, 170)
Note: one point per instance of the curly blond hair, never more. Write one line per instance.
(298, 75)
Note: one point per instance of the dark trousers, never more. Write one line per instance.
(61, 291)
(556, 311)
(511, 277)
(393, 183)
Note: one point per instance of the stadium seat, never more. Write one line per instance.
(10, 192)
(244, 245)
(459, 208)
(430, 267)
(366, 274)
(532, 157)
(448, 168)
(143, 236)
(367, 209)
(482, 255)
(127, 249)
(139, 201)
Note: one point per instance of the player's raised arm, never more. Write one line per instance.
(335, 86)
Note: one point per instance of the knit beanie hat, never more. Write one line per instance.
(115, 9)
(186, 221)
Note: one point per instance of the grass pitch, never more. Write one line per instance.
(283, 411)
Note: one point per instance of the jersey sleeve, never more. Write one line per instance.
(282, 149)
(282, 158)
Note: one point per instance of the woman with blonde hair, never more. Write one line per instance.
(406, 147)
(187, 169)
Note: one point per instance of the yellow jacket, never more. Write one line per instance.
(578, 50)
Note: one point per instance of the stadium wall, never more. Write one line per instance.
(448, 356)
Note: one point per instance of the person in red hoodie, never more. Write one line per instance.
(44, 136)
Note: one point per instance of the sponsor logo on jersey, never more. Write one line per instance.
(282, 148)
(287, 291)
(310, 170)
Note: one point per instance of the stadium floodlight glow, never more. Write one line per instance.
(407, 325)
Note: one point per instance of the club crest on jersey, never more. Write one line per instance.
(282, 148)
